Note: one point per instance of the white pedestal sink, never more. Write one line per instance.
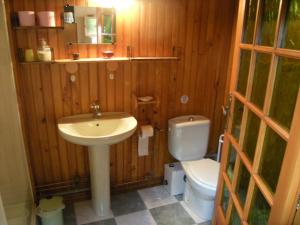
(98, 134)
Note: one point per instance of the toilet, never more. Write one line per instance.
(187, 142)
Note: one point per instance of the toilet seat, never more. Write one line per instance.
(202, 173)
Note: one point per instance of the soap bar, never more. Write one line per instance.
(145, 98)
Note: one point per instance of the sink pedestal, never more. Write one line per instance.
(100, 180)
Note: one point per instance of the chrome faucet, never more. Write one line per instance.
(96, 109)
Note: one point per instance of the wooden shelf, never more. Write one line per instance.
(37, 28)
(153, 58)
(84, 60)
(152, 103)
(114, 59)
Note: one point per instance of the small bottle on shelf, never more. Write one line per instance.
(44, 52)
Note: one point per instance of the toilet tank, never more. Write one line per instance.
(188, 137)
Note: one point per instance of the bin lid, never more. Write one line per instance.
(51, 204)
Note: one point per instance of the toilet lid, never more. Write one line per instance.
(203, 172)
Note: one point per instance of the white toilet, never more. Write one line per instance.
(188, 140)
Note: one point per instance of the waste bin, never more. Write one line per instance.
(51, 211)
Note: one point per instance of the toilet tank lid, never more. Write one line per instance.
(188, 120)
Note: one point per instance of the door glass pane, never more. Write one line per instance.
(291, 37)
(285, 92)
(268, 22)
(237, 119)
(225, 199)
(260, 209)
(260, 79)
(271, 159)
(242, 184)
(234, 218)
(231, 162)
(251, 135)
(243, 72)
(249, 21)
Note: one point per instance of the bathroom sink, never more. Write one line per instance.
(109, 128)
(98, 134)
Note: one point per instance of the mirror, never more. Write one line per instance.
(89, 25)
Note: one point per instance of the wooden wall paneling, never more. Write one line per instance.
(67, 111)
(220, 71)
(143, 20)
(58, 7)
(172, 77)
(84, 75)
(119, 91)
(168, 45)
(110, 101)
(37, 89)
(164, 74)
(188, 52)
(51, 122)
(159, 92)
(102, 86)
(58, 113)
(27, 93)
(134, 157)
(127, 108)
(118, 48)
(167, 67)
(93, 83)
(145, 78)
(76, 108)
(142, 74)
(182, 41)
(151, 12)
(130, 30)
(194, 70)
(201, 31)
(216, 106)
(221, 83)
(111, 91)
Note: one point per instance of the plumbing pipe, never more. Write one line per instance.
(221, 141)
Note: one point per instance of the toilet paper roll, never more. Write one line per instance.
(146, 131)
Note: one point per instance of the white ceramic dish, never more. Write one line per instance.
(145, 98)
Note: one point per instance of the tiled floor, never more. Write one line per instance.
(151, 206)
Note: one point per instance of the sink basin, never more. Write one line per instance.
(110, 128)
(98, 134)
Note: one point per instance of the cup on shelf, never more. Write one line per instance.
(26, 18)
(108, 54)
(46, 18)
(76, 56)
(28, 55)
(68, 17)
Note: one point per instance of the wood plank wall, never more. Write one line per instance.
(201, 30)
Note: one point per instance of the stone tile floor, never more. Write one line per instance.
(150, 206)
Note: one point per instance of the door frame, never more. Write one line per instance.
(295, 218)
(283, 202)
(3, 220)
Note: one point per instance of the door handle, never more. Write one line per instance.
(226, 110)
